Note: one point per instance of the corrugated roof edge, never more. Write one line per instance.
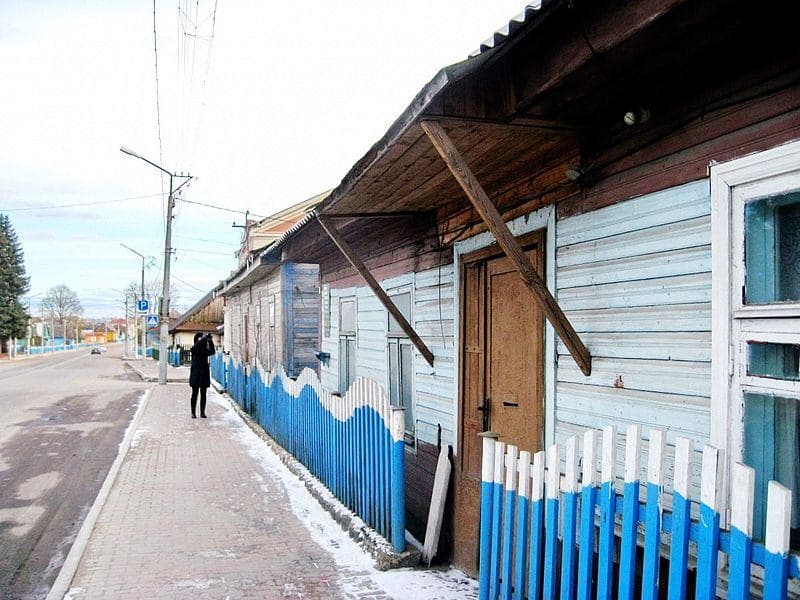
(408, 117)
(425, 97)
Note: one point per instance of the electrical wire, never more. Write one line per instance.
(233, 210)
(158, 119)
(59, 206)
(191, 250)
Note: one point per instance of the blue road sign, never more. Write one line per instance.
(152, 320)
(143, 306)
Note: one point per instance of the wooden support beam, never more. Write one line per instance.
(359, 266)
(376, 215)
(480, 200)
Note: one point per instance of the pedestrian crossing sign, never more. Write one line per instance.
(152, 320)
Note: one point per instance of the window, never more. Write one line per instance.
(272, 357)
(401, 367)
(756, 312)
(347, 343)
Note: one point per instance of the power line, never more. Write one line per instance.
(217, 242)
(158, 114)
(233, 210)
(203, 252)
(188, 284)
(58, 206)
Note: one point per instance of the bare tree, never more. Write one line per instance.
(61, 304)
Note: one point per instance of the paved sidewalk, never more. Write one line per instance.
(202, 508)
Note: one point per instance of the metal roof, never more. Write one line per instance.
(509, 29)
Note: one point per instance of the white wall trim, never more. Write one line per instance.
(543, 218)
(727, 408)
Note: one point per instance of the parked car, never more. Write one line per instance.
(96, 350)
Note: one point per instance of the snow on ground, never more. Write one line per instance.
(430, 584)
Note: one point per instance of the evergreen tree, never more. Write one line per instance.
(13, 283)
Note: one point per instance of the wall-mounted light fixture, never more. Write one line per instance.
(636, 116)
(574, 173)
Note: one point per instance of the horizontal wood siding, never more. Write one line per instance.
(432, 318)
(634, 279)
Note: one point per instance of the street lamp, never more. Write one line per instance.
(144, 316)
(163, 338)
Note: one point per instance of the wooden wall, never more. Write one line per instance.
(634, 279)
(301, 316)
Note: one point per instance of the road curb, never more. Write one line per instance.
(370, 540)
(69, 568)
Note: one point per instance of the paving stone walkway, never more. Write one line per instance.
(202, 508)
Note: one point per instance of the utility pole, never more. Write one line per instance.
(163, 338)
(144, 316)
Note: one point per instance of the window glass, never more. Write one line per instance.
(347, 316)
(776, 361)
(406, 378)
(772, 448)
(272, 312)
(772, 249)
(394, 373)
(403, 302)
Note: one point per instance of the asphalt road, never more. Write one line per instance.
(62, 418)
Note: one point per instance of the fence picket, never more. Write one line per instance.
(652, 520)
(708, 534)
(523, 512)
(551, 524)
(537, 525)
(487, 512)
(497, 509)
(679, 540)
(608, 497)
(588, 492)
(776, 563)
(630, 513)
(743, 480)
(570, 519)
(512, 455)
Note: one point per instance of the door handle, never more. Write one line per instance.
(485, 408)
(507, 403)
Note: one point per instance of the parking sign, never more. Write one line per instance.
(143, 306)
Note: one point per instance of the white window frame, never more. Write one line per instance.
(401, 338)
(346, 334)
(734, 324)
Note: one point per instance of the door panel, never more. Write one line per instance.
(502, 352)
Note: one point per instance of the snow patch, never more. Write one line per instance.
(354, 564)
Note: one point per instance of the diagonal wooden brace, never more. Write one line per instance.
(359, 266)
(480, 200)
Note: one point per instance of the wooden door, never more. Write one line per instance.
(502, 370)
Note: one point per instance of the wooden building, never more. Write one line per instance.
(625, 155)
(272, 315)
(205, 316)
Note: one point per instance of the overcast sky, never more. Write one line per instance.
(276, 108)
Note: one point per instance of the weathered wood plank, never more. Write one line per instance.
(344, 247)
(509, 244)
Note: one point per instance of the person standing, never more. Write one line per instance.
(200, 375)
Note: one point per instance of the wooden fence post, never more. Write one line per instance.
(487, 496)
(523, 511)
(652, 526)
(570, 519)
(608, 500)
(743, 481)
(681, 515)
(551, 523)
(398, 480)
(508, 520)
(497, 509)
(708, 533)
(588, 500)
(537, 524)
(776, 543)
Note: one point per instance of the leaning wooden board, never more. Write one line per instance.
(436, 512)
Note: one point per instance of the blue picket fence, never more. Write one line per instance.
(353, 444)
(544, 536)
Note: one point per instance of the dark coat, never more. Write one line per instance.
(199, 376)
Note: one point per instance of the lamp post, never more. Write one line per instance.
(144, 316)
(164, 308)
